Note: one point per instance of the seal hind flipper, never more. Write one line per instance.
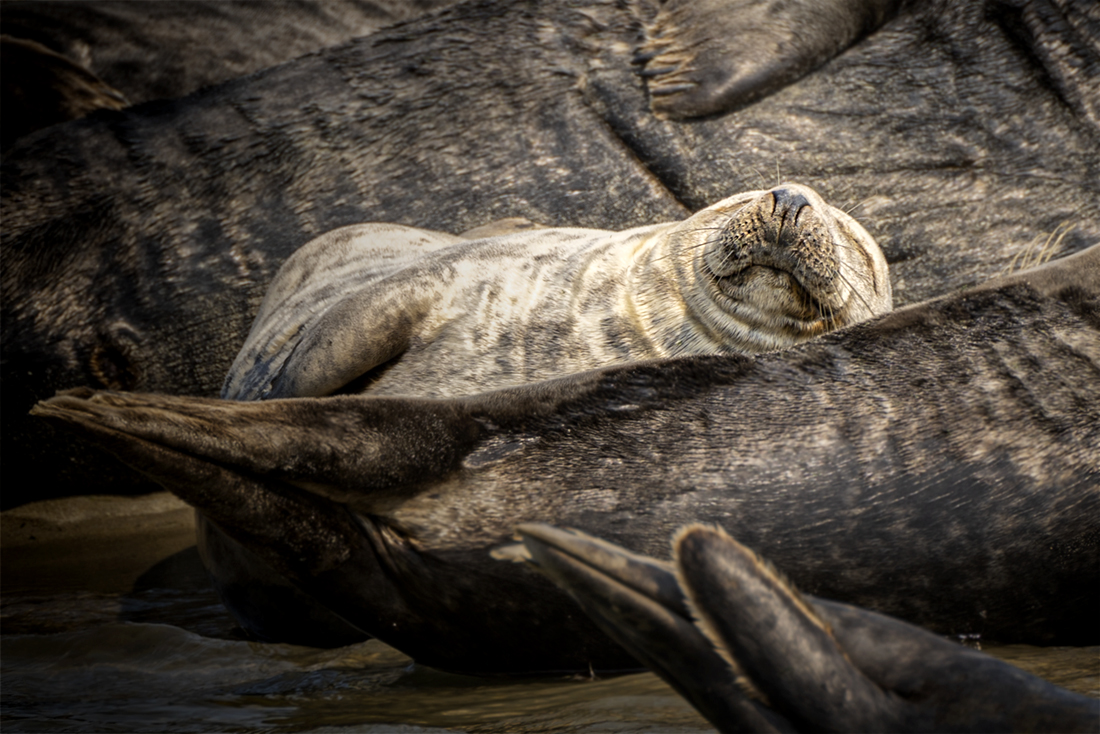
(775, 638)
(713, 56)
(907, 679)
(160, 434)
(638, 603)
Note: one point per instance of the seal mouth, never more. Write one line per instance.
(779, 293)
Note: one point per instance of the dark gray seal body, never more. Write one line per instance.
(752, 654)
(67, 59)
(939, 464)
(137, 245)
(756, 272)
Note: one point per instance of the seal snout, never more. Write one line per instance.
(783, 265)
(782, 229)
(788, 202)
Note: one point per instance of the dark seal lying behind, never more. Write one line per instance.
(137, 245)
(940, 464)
(752, 654)
(59, 58)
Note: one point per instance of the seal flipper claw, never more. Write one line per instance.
(713, 56)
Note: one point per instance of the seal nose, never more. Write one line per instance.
(788, 203)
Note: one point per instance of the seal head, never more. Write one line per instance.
(779, 267)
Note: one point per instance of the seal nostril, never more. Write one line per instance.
(788, 203)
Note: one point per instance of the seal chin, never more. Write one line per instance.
(780, 306)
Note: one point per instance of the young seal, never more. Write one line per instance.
(752, 654)
(756, 272)
(938, 464)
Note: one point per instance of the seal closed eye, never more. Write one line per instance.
(388, 309)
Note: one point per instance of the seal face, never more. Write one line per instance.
(387, 309)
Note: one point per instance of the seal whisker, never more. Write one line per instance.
(855, 291)
(858, 205)
(687, 249)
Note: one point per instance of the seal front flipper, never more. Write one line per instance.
(326, 287)
(704, 57)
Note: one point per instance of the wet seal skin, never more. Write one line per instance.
(751, 653)
(138, 244)
(939, 464)
(391, 310)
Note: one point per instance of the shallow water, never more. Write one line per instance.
(121, 631)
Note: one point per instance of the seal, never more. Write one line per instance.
(47, 89)
(756, 272)
(751, 653)
(62, 64)
(138, 245)
(865, 464)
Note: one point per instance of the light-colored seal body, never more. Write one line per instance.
(388, 309)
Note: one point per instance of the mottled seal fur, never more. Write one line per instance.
(939, 464)
(756, 272)
(752, 654)
(61, 61)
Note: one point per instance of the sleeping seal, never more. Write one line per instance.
(752, 654)
(938, 464)
(756, 272)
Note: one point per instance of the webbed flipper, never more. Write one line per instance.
(705, 57)
(753, 654)
(323, 322)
